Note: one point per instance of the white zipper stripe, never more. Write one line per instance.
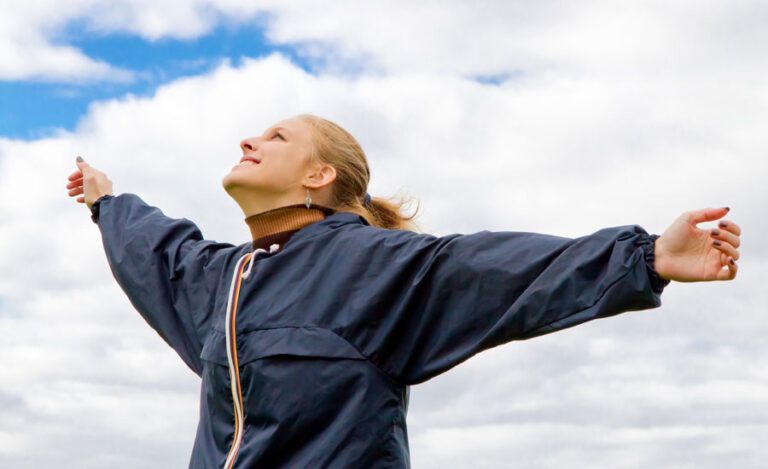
(234, 370)
(234, 374)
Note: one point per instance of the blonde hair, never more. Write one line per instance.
(333, 145)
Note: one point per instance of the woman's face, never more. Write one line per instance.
(273, 168)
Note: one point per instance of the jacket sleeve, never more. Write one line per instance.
(433, 302)
(165, 267)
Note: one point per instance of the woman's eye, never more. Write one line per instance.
(278, 135)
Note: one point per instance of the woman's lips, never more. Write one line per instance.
(246, 162)
(249, 158)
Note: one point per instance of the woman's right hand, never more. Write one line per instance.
(88, 181)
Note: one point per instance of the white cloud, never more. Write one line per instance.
(594, 38)
(37, 60)
(28, 52)
(594, 133)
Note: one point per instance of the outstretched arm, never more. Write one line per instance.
(165, 267)
(429, 303)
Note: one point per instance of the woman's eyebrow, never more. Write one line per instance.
(282, 128)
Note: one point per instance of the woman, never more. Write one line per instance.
(308, 337)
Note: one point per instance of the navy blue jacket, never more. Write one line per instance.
(307, 351)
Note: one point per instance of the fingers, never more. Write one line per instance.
(75, 183)
(730, 226)
(726, 248)
(726, 240)
(729, 273)
(75, 187)
(725, 236)
(706, 214)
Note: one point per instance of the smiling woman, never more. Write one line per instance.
(308, 158)
(308, 337)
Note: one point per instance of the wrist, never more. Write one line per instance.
(97, 199)
(656, 261)
(660, 259)
(94, 208)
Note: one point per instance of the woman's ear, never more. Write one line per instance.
(322, 176)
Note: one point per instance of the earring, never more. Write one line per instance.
(307, 199)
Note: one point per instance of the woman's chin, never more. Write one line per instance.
(240, 179)
(232, 179)
(239, 167)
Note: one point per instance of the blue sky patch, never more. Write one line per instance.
(497, 78)
(34, 109)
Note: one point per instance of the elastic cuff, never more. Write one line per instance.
(95, 207)
(649, 252)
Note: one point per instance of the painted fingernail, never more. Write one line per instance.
(732, 263)
(727, 209)
(723, 224)
(715, 232)
(79, 158)
(717, 242)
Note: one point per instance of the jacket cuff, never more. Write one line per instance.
(95, 207)
(649, 252)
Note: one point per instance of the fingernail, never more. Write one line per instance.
(732, 263)
(717, 242)
(723, 224)
(79, 158)
(727, 209)
(715, 232)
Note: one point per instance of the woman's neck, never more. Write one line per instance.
(279, 224)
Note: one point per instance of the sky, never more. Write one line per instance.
(553, 117)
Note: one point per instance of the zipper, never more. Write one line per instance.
(234, 368)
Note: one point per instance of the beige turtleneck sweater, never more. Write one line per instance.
(277, 225)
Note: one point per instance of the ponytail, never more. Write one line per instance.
(333, 145)
(388, 213)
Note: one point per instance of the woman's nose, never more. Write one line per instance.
(248, 144)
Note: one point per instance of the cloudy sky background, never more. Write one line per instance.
(555, 117)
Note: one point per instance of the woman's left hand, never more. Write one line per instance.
(685, 253)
